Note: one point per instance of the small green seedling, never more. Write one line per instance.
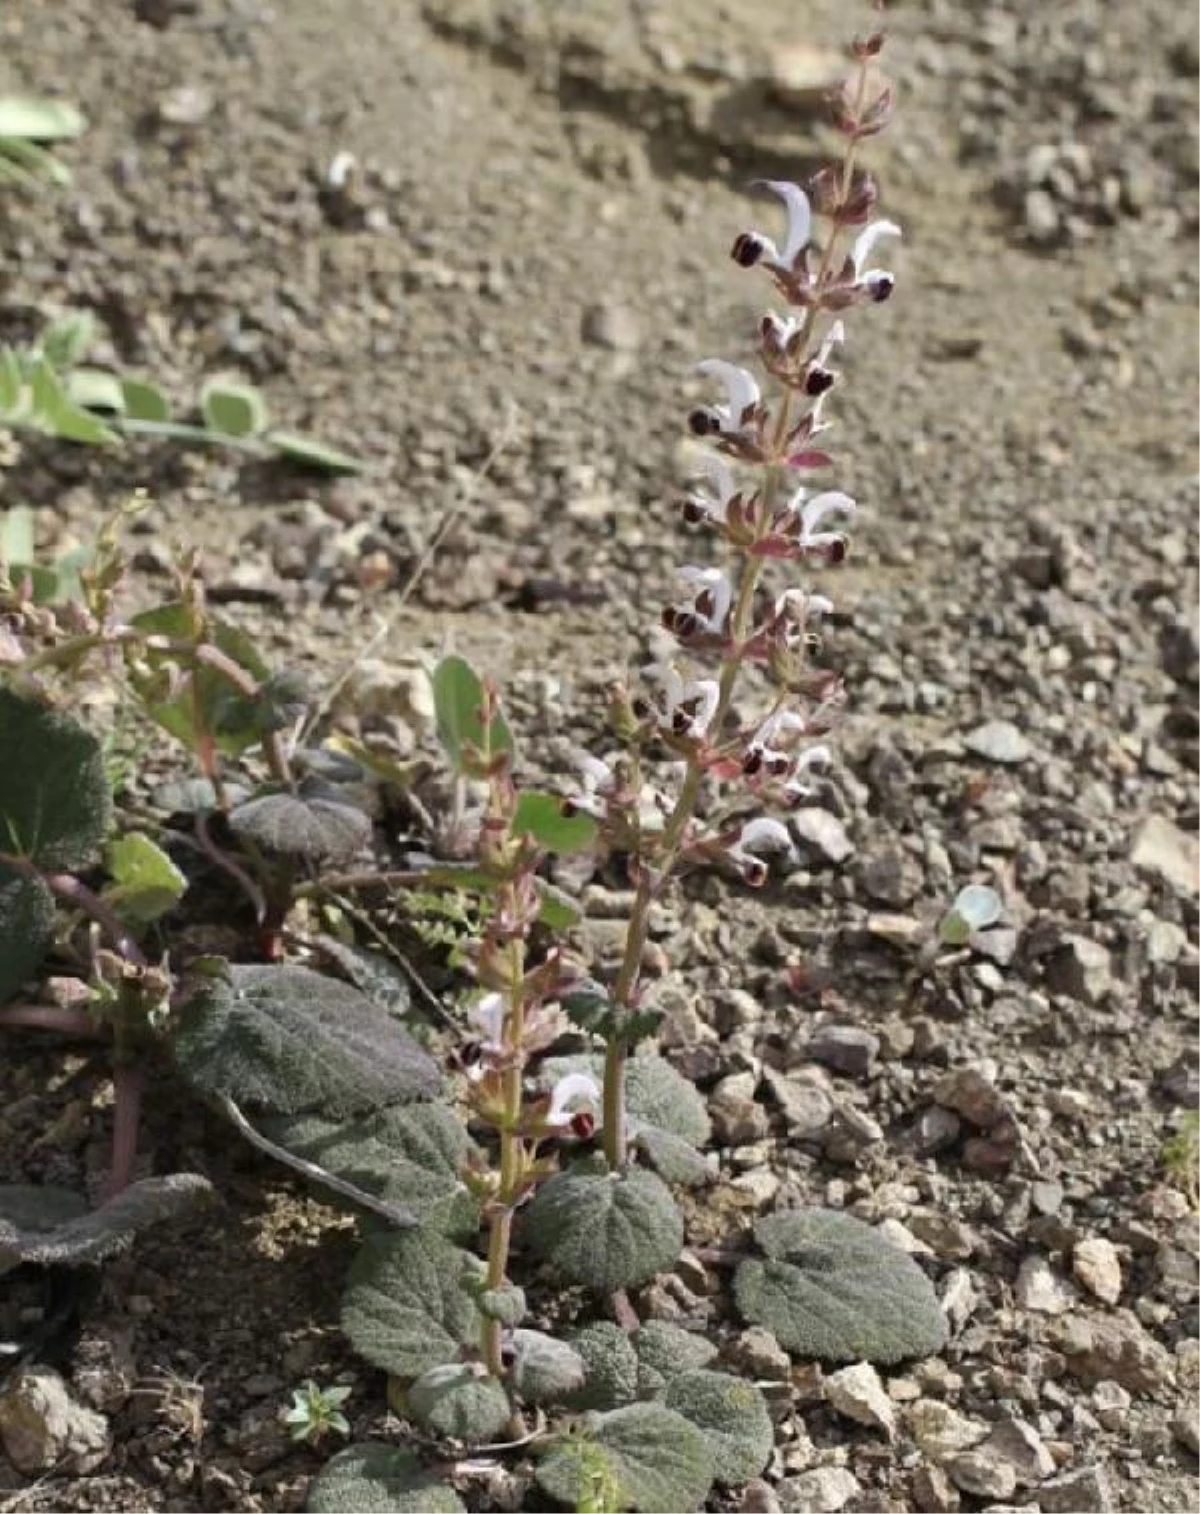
(317, 1412)
(26, 125)
(1181, 1155)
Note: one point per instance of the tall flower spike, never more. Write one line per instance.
(742, 395)
(753, 247)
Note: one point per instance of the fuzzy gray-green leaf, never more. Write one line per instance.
(666, 1351)
(605, 1230)
(658, 1095)
(732, 1415)
(313, 826)
(544, 1370)
(373, 1478)
(55, 805)
(91, 1237)
(652, 1459)
(673, 1158)
(831, 1287)
(456, 1402)
(288, 1039)
(26, 928)
(610, 1364)
(407, 1307)
(410, 1155)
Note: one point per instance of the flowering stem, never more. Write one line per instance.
(616, 1052)
(500, 1211)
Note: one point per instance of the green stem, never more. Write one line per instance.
(500, 1215)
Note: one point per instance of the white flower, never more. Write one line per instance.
(762, 834)
(799, 228)
(714, 583)
(834, 337)
(575, 1086)
(714, 505)
(781, 724)
(812, 511)
(799, 604)
(703, 693)
(878, 280)
(488, 1016)
(597, 779)
(815, 756)
(741, 390)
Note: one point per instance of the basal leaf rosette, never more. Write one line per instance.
(832, 1288)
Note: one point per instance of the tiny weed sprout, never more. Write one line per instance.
(29, 128)
(316, 1413)
(516, 1167)
(48, 388)
(1181, 1155)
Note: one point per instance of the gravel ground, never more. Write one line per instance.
(499, 310)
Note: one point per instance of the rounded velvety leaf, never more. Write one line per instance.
(833, 1288)
(288, 1039)
(544, 1370)
(666, 1351)
(458, 1402)
(605, 1230)
(87, 1239)
(610, 1364)
(732, 1415)
(407, 1306)
(411, 1155)
(55, 805)
(373, 1478)
(315, 829)
(26, 928)
(656, 1094)
(671, 1157)
(644, 1457)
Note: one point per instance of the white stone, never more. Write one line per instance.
(1096, 1264)
(857, 1393)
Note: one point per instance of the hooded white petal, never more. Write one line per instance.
(814, 510)
(720, 476)
(764, 834)
(718, 585)
(799, 227)
(865, 242)
(741, 388)
(575, 1086)
(488, 1016)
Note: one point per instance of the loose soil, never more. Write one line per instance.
(499, 311)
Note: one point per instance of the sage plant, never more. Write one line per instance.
(766, 440)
